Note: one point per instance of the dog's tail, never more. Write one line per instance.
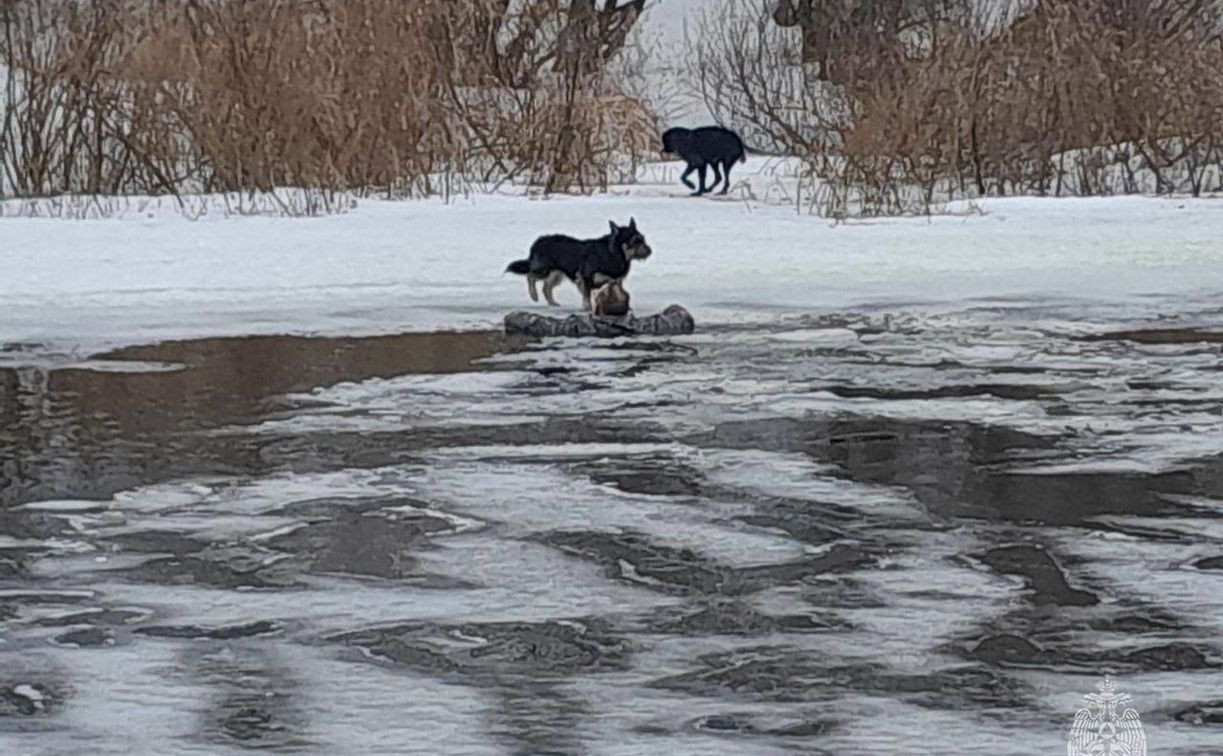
(745, 151)
(521, 267)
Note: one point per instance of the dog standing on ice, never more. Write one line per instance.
(588, 263)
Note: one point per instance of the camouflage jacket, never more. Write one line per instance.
(673, 321)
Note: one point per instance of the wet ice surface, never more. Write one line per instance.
(864, 532)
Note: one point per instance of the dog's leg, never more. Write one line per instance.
(531, 287)
(686, 174)
(726, 167)
(717, 176)
(701, 190)
(584, 287)
(553, 279)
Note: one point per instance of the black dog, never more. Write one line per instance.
(711, 146)
(587, 263)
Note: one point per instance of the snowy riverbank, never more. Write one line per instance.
(149, 274)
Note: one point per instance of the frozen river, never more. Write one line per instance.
(870, 530)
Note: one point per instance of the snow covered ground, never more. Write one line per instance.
(75, 286)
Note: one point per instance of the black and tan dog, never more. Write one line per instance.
(588, 263)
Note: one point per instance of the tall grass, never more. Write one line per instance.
(333, 96)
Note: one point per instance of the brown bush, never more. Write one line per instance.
(949, 101)
(118, 96)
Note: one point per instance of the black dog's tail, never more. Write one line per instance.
(744, 151)
(521, 267)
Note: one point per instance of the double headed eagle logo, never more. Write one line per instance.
(1103, 728)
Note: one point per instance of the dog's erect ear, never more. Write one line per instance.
(613, 225)
(632, 224)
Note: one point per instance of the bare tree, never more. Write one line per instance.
(852, 40)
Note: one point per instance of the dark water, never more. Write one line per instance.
(91, 431)
(845, 535)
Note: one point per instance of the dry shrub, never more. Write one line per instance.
(344, 95)
(555, 135)
(1093, 97)
(934, 100)
(602, 136)
(122, 96)
(64, 124)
